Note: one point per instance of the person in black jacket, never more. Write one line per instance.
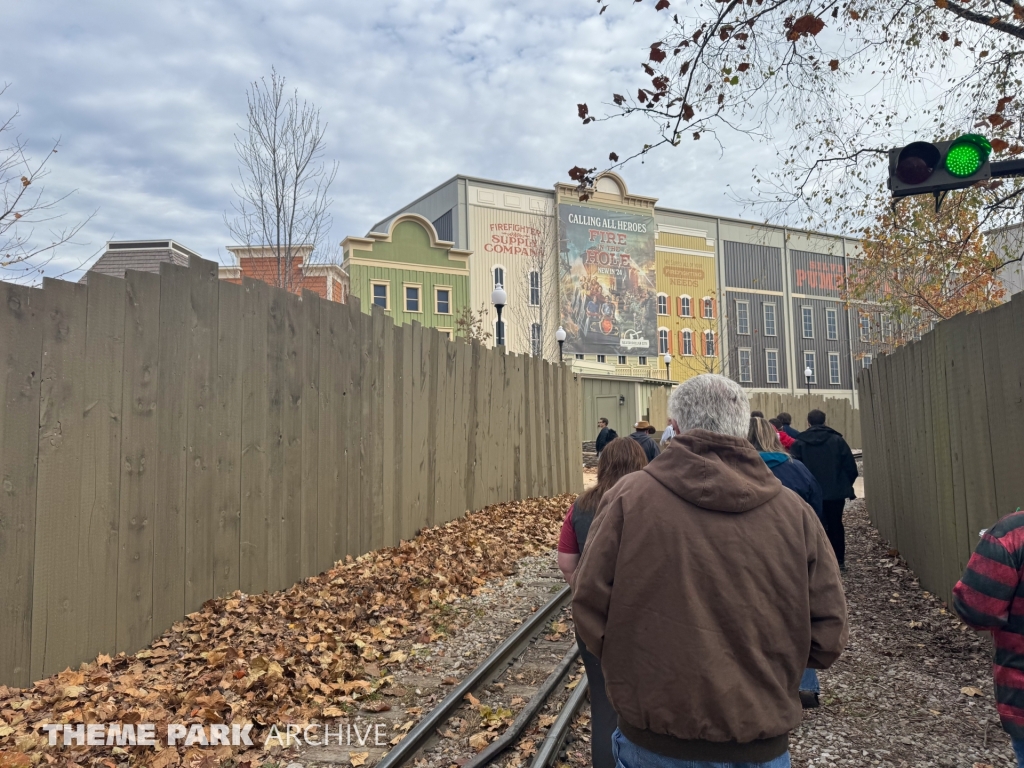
(793, 475)
(787, 425)
(605, 436)
(648, 443)
(831, 461)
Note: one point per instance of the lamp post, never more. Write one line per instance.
(668, 364)
(807, 376)
(498, 299)
(560, 338)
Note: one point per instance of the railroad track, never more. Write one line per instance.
(501, 660)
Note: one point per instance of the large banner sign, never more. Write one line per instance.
(608, 295)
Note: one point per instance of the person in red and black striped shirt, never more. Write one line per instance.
(990, 597)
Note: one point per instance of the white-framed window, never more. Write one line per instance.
(535, 343)
(709, 343)
(662, 341)
(743, 318)
(769, 319)
(832, 324)
(381, 292)
(771, 359)
(601, 358)
(622, 359)
(580, 356)
(807, 316)
(447, 332)
(833, 368)
(887, 333)
(865, 328)
(499, 277)
(746, 377)
(535, 289)
(662, 304)
(865, 361)
(412, 298)
(687, 345)
(641, 360)
(685, 306)
(809, 363)
(442, 300)
(708, 306)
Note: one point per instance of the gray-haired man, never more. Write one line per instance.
(705, 589)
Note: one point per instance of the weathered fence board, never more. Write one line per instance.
(21, 334)
(942, 421)
(168, 439)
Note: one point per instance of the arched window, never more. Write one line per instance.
(685, 310)
(662, 304)
(499, 276)
(709, 343)
(535, 346)
(662, 341)
(709, 307)
(535, 289)
(686, 343)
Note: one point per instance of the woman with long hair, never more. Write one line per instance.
(619, 458)
(798, 478)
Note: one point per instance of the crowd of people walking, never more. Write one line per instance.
(706, 581)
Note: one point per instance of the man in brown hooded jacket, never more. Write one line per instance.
(706, 588)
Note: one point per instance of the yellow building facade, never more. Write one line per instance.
(688, 313)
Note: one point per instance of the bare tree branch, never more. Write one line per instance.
(284, 185)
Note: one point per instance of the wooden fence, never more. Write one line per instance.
(170, 438)
(839, 412)
(944, 432)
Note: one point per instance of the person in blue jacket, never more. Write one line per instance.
(798, 478)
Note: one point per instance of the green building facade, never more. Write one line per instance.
(410, 273)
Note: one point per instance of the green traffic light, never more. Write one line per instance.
(967, 154)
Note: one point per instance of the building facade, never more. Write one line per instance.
(630, 280)
(409, 272)
(297, 274)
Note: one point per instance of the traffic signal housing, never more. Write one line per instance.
(923, 167)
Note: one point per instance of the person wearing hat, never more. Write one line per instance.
(643, 436)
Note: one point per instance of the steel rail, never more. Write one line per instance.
(493, 665)
(537, 701)
(556, 733)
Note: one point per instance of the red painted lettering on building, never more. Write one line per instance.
(822, 275)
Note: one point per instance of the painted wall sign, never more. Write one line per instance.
(607, 275)
(817, 274)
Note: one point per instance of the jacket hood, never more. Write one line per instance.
(773, 459)
(715, 472)
(818, 435)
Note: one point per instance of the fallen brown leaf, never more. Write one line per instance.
(358, 758)
(971, 691)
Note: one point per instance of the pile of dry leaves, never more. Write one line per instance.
(312, 653)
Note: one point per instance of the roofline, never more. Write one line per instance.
(147, 245)
(613, 377)
(657, 208)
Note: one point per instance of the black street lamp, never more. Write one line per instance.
(668, 364)
(807, 375)
(498, 299)
(560, 338)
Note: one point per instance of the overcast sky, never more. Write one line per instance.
(146, 97)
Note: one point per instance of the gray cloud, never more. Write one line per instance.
(146, 98)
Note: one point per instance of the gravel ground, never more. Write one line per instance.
(896, 698)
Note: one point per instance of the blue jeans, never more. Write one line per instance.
(809, 682)
(1018, 750)
(629, 755)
